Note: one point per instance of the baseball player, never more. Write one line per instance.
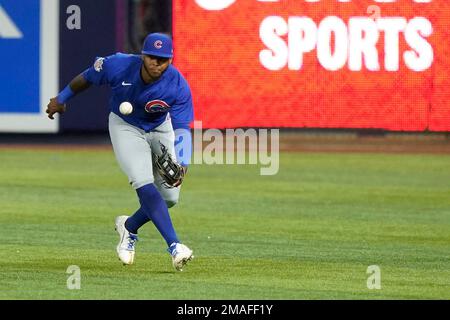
(159, 112)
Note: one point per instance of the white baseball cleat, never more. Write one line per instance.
(125, 248)
(180, 255)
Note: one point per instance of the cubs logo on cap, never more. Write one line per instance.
(159, 45)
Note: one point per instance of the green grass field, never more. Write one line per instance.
(309, 232)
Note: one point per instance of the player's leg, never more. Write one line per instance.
(132, 147)
(165, 135)
(134, 157)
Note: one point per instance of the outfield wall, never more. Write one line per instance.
(327, 64)
(29, 55)
(380, 64)
(42, 47)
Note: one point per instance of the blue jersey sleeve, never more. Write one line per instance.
(182, 114)
(100, 72)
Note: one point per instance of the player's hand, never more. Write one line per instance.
(55, 107)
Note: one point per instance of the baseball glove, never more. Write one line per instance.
(172, 172)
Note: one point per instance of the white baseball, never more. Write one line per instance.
(125, 108)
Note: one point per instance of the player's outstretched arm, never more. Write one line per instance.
(58, 103)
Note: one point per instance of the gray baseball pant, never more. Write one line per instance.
(133, 149)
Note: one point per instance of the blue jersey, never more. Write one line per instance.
(151, 102)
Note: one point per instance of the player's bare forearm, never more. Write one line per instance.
(77, 85)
